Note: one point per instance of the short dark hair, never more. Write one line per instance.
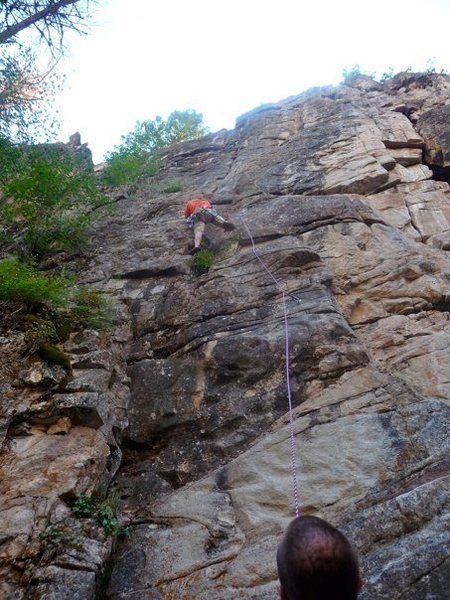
(317, 562)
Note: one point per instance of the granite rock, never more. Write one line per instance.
(342, 192)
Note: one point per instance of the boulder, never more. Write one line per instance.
(435, 129)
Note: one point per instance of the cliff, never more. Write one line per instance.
(182, 407)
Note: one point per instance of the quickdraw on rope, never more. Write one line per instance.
(286, 338)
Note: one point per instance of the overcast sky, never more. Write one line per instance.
(143, 58)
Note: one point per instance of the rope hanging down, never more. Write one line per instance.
(286, 338)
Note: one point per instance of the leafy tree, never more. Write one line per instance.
(8, 159)
(137, 154)
(125, 166)
(25, 94)
(24, 89)
(49, 197)
(180, 126)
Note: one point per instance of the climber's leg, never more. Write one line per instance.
(199, 229)
(220, 222)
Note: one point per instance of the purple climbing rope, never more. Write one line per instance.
(289, 394)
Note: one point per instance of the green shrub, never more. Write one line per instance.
(148, 136)
(349, 72)
(57, 306)
(125, 166)
(51, 196)
(203, 261)
(104, 510)
(122, 168)
(26, 107)
(90, 309)
(355, 71)
(137, 154)
(23, 283)
(39, 331)
(172, 187)
(63, 327)
(389, 74)
(59, 537)
(9, 155)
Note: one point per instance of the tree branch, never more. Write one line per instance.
(40, 15)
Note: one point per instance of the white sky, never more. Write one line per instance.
(142, 58)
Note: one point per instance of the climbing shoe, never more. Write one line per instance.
(228, 226)
(195, 250)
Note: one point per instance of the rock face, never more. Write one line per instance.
(344, 192)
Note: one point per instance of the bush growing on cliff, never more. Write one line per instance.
(48, 198)
(138, 152)
(203, 261)
(46, 307)
(23, 283)
(104, 509)
(90, 309)
(355, 71)
(58, 538)
(172, 187)
(124, 166)
(39, 331)
(180, 126)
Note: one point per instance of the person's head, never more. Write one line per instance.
(316, 562)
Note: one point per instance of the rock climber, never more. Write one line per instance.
(316, 562)
(197, 213)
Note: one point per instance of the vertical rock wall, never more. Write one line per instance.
(345, 192)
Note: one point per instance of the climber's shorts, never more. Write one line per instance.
(206, 215)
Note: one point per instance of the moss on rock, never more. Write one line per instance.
(53, 356)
